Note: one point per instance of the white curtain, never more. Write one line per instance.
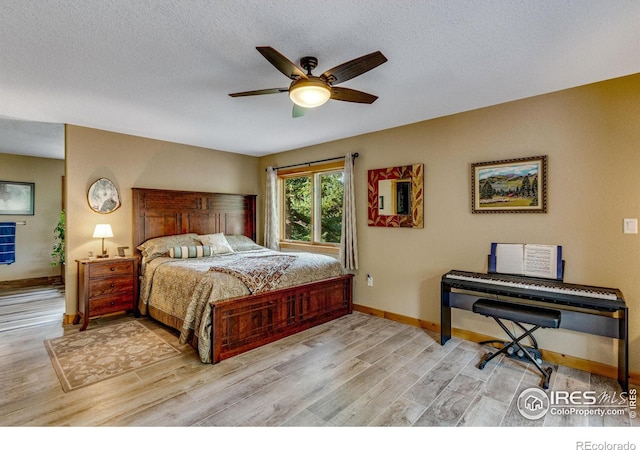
(271, 238)
(349, 239)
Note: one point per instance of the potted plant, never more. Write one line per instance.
(57, 252)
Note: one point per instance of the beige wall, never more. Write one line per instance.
(128, 162)
(591, 135)
(34, 241)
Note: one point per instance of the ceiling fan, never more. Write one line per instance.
(309, 91)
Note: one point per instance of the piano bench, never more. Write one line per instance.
(519, 314)
(543, 317)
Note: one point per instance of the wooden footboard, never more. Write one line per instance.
(245, 323)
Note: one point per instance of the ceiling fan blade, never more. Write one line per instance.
(298, 111)
(259, 92)
(351, 95)
(281, 63)
(353, 68)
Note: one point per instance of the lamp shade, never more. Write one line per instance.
(309, 93)
(102, 230)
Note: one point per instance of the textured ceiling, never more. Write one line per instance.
(164, 69)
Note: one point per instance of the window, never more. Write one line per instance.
(311, 201)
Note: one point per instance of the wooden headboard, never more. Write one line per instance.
(161, 212)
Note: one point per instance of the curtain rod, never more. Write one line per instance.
(355, 155)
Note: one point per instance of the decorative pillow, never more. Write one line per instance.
(190, 251)
(160, 246)
(217, 242)
(242, 243)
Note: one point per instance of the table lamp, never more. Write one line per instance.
(103, 230)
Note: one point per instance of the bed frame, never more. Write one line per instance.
(242, 323)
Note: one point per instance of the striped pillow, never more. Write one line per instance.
(190, 251)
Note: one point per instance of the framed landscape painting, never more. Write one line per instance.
(510, 186)
(16, 198)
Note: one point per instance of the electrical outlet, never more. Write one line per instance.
(369, 280)
(630, 226)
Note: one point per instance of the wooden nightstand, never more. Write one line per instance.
(106, 286)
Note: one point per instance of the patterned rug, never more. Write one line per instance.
(87, 357)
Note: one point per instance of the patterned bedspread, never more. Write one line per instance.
(184, 289)
(259, 273)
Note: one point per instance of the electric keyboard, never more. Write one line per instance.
(553, 291)
(587, 309)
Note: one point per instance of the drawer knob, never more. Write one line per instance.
(113, 285)
(113, 268)
(113, 303)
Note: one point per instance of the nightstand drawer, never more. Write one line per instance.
(110, 268)
(114, 285)
(111, 303)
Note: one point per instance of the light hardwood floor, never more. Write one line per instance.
(29, 306)
(359, 370)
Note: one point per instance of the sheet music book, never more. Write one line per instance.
(531, 260)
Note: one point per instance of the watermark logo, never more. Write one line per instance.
(589, 445)
(534, 403)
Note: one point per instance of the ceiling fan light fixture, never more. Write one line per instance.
(309, 93)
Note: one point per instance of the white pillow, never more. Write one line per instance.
(217, 242)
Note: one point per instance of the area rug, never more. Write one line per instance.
(87, 357)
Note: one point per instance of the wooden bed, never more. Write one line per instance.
(242, 323)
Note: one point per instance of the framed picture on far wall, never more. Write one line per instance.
(17, 198)
(510, 186)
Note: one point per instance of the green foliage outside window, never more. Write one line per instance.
(297, 197)
(331, 195)
(299, 206)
